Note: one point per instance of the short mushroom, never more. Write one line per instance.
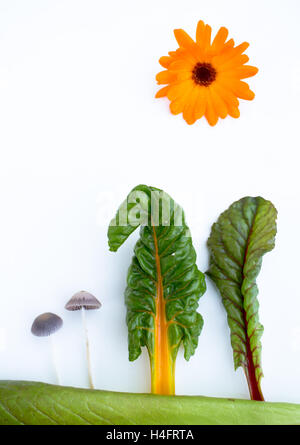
(84, 301)
(44, 326)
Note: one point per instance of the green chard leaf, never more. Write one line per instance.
(32, 403)
(163, 283)
(238, 240)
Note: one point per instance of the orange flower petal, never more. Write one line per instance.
(207, 37)
(227, 47)
(183, 75)
(218, 103)
(162, 92)
(200, 32)
(179, 89)
(189, 108)
(183, 39)
(233, 62)
(228, 53)
(219, 39)
(210, 113)
(226, 95)
(188, 56)
(182, 64)
(242, 90)
(201, 101)
(165, 61)
(247, 95)
(241, 72)
(165, 77)
(239, 88)
(186, 43)
(241, 48)
(233, 111)
(177, 105)
(203, 36)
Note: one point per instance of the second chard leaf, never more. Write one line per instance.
(238, 240)
(163, 282)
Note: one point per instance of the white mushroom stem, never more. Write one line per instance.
(88, 358)
(54, 359)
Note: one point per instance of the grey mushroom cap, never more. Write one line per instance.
(46, 324)
(83, 300)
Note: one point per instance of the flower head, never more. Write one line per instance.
(203, 78)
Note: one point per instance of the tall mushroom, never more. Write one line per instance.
(44, 326)
(84, 301)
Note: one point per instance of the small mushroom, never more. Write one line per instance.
(44, 326)
(84, 301)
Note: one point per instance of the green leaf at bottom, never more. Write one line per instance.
(31, 403)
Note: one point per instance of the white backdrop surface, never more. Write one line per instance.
(79, 127)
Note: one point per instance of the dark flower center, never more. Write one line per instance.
(204, 74)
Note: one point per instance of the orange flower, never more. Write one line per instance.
(203, 78)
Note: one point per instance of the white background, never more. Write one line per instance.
(79, 127)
